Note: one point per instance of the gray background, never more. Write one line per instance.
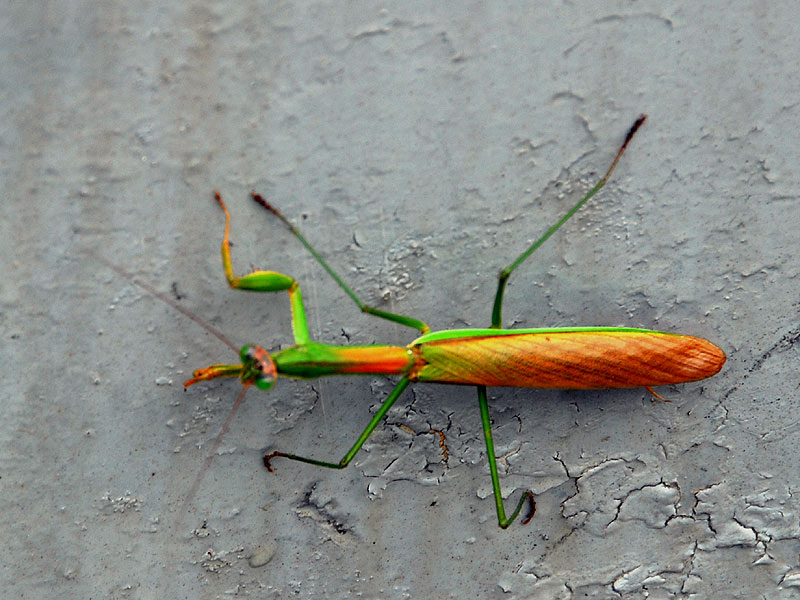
(421, 146)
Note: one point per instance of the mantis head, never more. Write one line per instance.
(257, 369)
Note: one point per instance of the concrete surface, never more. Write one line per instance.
(420, 146)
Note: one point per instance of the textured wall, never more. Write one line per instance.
(420, 147)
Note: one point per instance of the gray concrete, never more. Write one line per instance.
(420, 146)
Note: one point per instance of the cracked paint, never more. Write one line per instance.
(376, 127)
(652, 504)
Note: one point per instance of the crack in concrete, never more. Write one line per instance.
(319, 513)
(786, 341)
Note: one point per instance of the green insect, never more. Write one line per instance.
(582, 358)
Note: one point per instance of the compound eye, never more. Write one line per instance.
(246, 353)
(264, 382)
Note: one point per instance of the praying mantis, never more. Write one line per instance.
(575, 358)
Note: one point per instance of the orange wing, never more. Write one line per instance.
(569, 360)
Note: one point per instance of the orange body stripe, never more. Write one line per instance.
(569, 360)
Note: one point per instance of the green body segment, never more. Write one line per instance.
(315, 359)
